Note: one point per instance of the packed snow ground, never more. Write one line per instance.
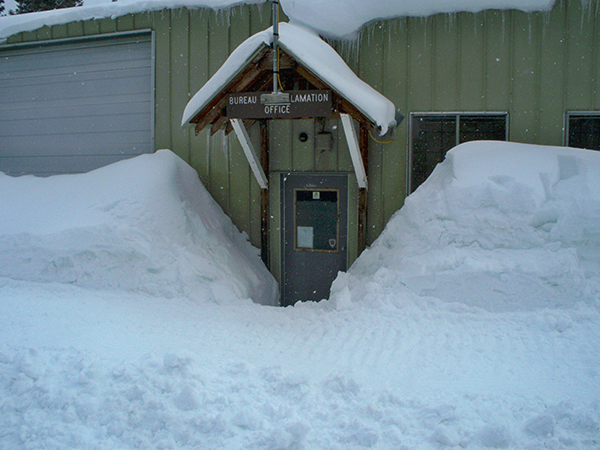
(473, 322)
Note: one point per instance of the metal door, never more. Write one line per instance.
(314, 234)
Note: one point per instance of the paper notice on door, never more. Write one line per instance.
(305, 237)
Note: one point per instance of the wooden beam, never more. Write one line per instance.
(343, 106)
(248, 79)
(355, 153)
(218, 124)
(210, 116)
(362, 220)
(248, 148)
(216, 106)
(363, 198)
(265, 238)
(316, 82)
(285, 61)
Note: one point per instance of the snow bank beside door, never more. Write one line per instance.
(145, 224)
(499, 226)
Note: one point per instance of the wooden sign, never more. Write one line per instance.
(302, 104)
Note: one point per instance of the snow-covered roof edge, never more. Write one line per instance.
(223, 76)
(343, 19)
(340, 19)
(317, 56)
(10, 25)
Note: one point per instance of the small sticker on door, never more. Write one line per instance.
(305, 237)
(316, 195)
(332, 243)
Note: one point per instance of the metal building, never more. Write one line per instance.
(525, 77)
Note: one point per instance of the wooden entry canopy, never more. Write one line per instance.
(306, 63)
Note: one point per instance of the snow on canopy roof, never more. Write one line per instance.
(317, 56)
(102, 9)
(343, 18)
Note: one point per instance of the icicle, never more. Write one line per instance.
(587, 10)
(450, 21)
(225, 15)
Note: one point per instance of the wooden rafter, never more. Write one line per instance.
(257, 76)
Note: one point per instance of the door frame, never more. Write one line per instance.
(347, 222)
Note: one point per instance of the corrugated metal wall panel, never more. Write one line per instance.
(455, 62)
(72, 107)
(534, 66)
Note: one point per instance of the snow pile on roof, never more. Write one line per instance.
(102, 9)
(144, 224)
(317, 56)
(343, 18)
(498, 226)
(340, 19)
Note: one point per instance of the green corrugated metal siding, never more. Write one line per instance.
(534, 66)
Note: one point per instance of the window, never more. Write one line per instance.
(316, 213)
(583, 130)
(432, 135)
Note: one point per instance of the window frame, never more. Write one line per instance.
(295, 231)
(567, 123)
(457, 116)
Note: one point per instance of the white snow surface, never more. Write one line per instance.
(473, 322)
(317, 56)
(103, 9)
(334, 18)
(145, 224)
(344, 18)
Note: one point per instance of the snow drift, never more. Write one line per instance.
(473, 322)
(498, 226)
(144, 224)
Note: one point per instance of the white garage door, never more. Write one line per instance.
(75, 106)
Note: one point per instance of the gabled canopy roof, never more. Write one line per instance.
(305, 58)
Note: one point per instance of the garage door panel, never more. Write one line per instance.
(92, 70)
(122, 102)
(70, 145)
(71, 87)
(75, 125)
(80, 58)
(111, 41)
(76, 111)
(88, 101)
(59, 165)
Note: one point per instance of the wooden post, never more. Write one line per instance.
(265, 246)
(363, 141)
